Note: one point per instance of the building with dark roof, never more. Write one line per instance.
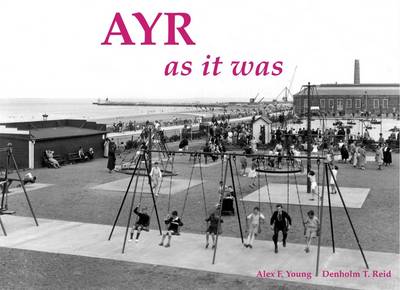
(350, 99)
(31, 139)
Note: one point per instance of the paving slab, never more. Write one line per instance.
(354, 197)
(187, 251)
(28, 187)
(178, 185)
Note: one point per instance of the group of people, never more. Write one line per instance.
(280, 221)
(355, 154)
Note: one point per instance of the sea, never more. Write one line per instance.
(18, 110)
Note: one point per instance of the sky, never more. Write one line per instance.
(51, 48)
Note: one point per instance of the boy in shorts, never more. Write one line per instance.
(312, 229)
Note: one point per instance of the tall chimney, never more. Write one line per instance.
(356, 72)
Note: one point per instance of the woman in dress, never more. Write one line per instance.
(387, 155)
(379, 156)
(111, 156)
(106, 147)
(344, 152)
(362, 157)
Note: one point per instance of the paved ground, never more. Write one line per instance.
(292, 264)
(72, 198)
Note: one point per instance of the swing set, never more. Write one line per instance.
(197, 163)
(5, 182)
(230, 165)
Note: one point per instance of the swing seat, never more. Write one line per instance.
(227, 206)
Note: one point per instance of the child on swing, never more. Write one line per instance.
(314, 185)
(312, 229)
(212, 229)
(254, 219)
(173, 222)
(141, 224)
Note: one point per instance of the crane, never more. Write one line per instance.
(287, 90)
(252, 100)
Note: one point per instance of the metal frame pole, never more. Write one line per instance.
(321, 216)
(152, 192)
(348, 217)
(330, 206)
(125, 195)
(219, 215)
(22, 185)
(234, 195)
(2, 227)
(308, 135)
(130, 214)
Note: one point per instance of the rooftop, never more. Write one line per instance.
(61, 132)
(52, 129)
(354, 89)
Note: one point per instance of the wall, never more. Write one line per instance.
(68, 145)
(20, 149)
(393, 102)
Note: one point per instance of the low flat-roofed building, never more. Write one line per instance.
(31, 139)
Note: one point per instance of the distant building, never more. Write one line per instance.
(350, 99)
(31, 139)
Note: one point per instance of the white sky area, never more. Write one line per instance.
(51, 49)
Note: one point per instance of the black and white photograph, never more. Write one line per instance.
(183, 144)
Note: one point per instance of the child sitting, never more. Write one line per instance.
(312, 229)
(173, 222)
(142, 224)
(254, 218)
(212, 229)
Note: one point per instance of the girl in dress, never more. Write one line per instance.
(379, 156)
(332, 180)
(311, 176)
(156, 177)
(253, 176)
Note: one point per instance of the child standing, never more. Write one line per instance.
(314, 185)
(379, 156)
(254, 220)
(243, 165)
(173, 222)
(333, 178)
(156, 177)
(212, 229)
(312, 229)
(253, 175)
(141, 224)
